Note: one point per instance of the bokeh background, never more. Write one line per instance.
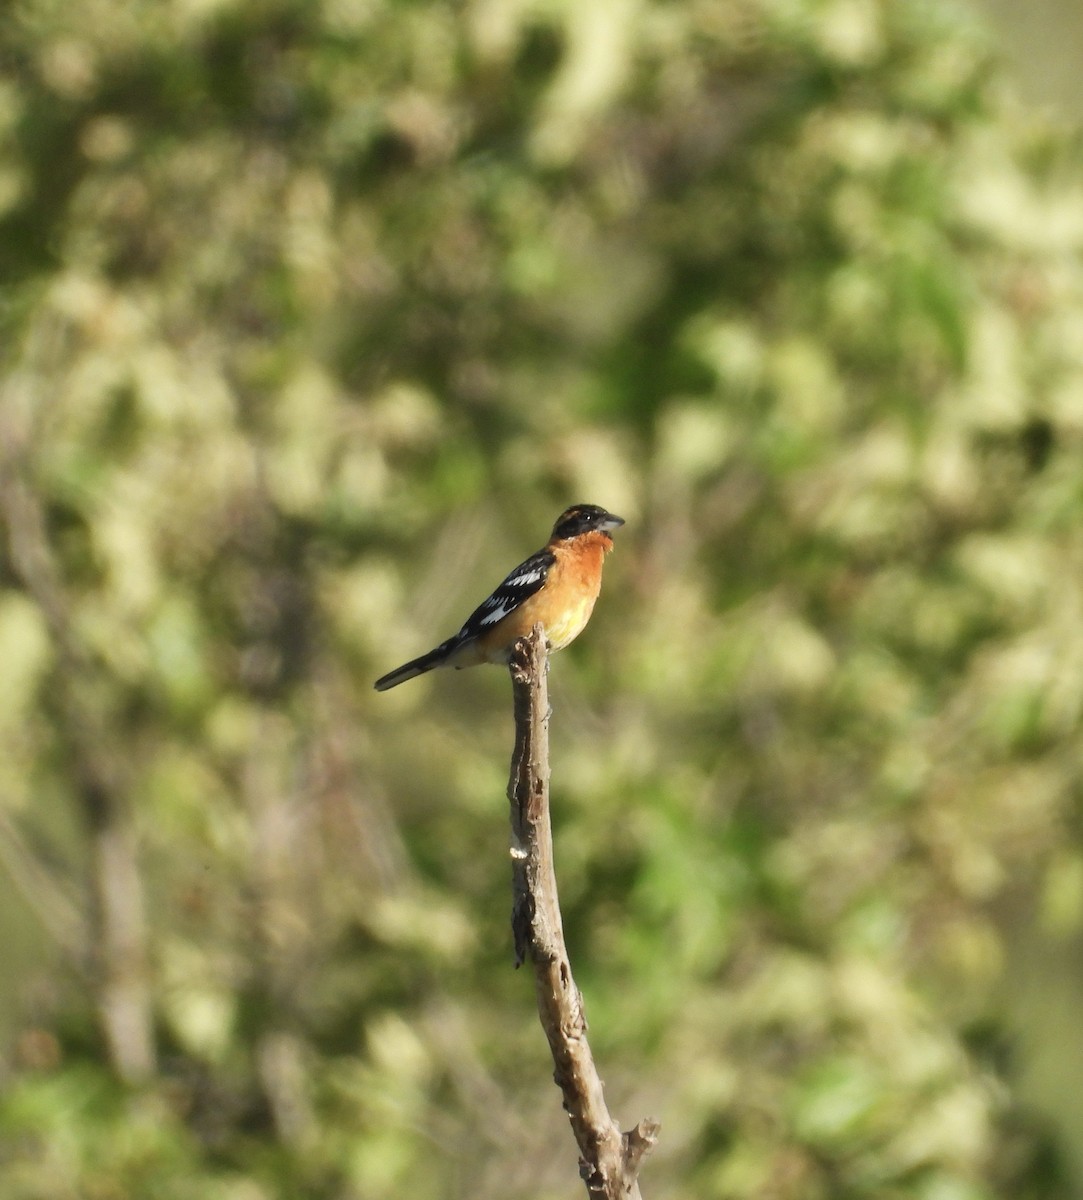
(313, 315)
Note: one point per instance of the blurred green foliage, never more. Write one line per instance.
(315, 313)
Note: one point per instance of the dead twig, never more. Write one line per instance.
(609, 1160)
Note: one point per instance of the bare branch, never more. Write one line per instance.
(609, 1160)
(118, 952)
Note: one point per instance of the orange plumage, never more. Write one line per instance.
(557, 588)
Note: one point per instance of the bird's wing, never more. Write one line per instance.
(527, 578)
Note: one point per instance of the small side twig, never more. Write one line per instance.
(609, 1160)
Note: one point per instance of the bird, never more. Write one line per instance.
(555, 587)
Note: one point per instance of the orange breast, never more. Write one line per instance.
(563, 606)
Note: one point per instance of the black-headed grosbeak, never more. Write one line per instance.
(556, 588)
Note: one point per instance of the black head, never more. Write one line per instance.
(585, 518)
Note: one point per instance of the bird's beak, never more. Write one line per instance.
(611, 522)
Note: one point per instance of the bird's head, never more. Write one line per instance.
(585, 518)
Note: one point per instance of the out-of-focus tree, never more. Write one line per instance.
(1042, 45)
(315, 314)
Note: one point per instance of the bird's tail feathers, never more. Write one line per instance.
(416, 666)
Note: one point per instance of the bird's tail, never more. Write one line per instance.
(416, 666)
